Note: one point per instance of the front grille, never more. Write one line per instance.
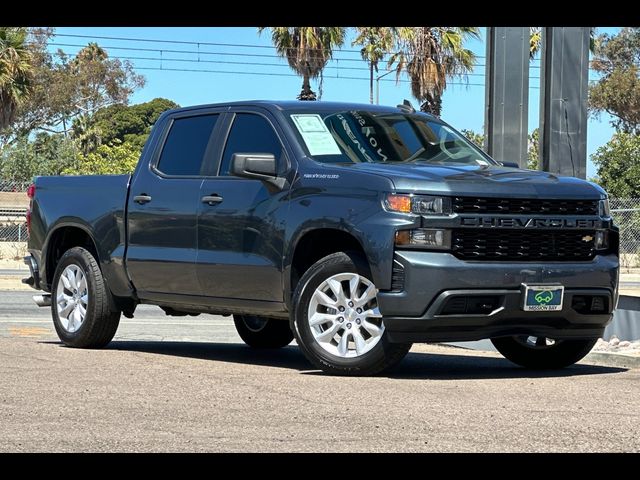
(524, 206)
(523, 245)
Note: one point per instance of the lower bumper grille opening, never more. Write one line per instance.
(590, 304)
(471, 305)
(397, 277)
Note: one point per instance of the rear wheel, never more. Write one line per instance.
(83, 311)
(261, 332)
(336, 319)
(543, 352)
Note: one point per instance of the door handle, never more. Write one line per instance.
(212, 199)
(142, 199)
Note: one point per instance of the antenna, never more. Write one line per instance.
(406, 106)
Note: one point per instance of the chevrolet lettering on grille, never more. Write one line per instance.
(529, 222)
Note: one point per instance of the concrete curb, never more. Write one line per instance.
(609, 359)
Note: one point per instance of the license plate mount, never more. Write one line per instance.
(542, 298)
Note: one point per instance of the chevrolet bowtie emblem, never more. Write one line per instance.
(587, 238)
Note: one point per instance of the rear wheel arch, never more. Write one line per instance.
(63, 238)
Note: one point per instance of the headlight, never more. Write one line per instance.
(418, 204)
(603, 208)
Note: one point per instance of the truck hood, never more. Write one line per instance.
(490, 181)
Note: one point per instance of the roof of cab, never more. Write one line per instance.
(284, 105)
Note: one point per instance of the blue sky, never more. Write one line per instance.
(463, 105)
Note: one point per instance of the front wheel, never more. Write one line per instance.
(336, 319)
(261, 332)
(543, 352)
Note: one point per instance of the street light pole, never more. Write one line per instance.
(378, 85)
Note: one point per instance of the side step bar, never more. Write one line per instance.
(43, 300)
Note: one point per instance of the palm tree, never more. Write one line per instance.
(376, 43)
(15, 72)
(431, 55)
(307, 49)
(87, 135)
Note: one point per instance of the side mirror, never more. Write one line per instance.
(260, 166)
(510, 164)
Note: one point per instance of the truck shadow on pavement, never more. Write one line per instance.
(416, 365)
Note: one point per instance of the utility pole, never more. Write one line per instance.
(378, 85)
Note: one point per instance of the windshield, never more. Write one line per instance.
(360, 136)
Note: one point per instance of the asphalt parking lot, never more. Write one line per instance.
(188, 384)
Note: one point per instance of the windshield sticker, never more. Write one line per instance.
(315, 134)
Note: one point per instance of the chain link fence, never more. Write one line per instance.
(626, 215)
(13, 224)
(14, 203)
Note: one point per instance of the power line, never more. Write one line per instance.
(202, 52)
(221, 44)
(190, 60)
(185, 42)
(274, 74)
(337, 76)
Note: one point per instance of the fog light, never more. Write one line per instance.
(601, 240)
(424, 237)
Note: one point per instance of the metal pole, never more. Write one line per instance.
(507, 94)
(378, 85)
(563, 100)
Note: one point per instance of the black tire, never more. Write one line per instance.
(559, 355)
(260, 332)
(101, 318)
(383, 356)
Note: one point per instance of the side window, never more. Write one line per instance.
(186, 143)
(250, 134)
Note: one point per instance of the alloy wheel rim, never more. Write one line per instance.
(72, 298)
(344, 317)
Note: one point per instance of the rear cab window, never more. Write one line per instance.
(185, 146)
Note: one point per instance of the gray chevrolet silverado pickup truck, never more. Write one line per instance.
(356, 229)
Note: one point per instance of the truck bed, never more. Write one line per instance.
(94, 203)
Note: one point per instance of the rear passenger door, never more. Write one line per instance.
(163, 206)
(240, 236)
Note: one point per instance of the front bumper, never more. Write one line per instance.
(415, 313)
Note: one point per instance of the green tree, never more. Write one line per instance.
(430, 56)
(475, 137)
(532, 148)
(118, 158)
(618, 164)
(307, 50)
(376, 42)
(126, 123)
(44, 155)
(617, 92)
(15, 72)
(65, 88)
